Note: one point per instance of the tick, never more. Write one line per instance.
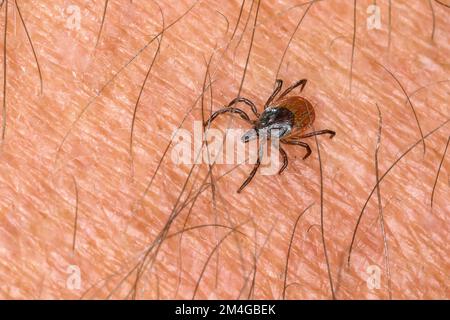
(284, 117)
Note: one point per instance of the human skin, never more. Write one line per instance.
(66, 161)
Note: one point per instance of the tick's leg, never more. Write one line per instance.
(285, 160)
(301, 144)
(278, 85)
(316, 133)
(295, 85)
(247, 102)
(250, 177)
(225, 110)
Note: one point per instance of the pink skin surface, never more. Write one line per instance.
(66, 159)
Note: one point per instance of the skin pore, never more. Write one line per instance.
(92, 206)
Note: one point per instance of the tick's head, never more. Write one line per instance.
(250, 135)
(273, 122)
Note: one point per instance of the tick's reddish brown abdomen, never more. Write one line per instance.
(301, 108)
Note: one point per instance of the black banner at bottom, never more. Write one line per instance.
(217, 309)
